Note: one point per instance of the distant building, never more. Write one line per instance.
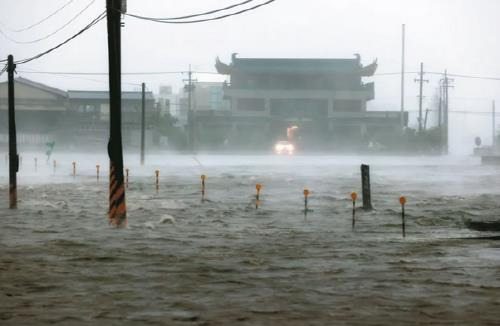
(167, 100)
(205, 96)
(40, 112)
(73, 118)
(89, 113)
(325, 98)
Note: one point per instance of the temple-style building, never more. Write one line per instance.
(325, 98)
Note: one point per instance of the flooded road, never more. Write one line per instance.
(182, 261)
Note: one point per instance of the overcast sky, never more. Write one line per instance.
(458, 35)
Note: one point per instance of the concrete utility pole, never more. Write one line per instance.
(143, 122)
(425, 119)
(446, 85)
(421, 80)
(493, 127)
(13, 156)
(191, 115)
(403, 79)
(117, 209)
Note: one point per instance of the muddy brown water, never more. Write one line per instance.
(181, 261)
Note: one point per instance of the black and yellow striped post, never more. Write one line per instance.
(13, 156)
(117, 209)
(97, 167)
(258, 187)
(126, 178)
(74, 169)
(203, 177)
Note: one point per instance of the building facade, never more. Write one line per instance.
(325, 98)
(40, 112)
(72, 118)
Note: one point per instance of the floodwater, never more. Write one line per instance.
(182, 261)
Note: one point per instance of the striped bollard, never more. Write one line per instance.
(306, 196)
(203, 177)
(354, 196)
(258, 187)
(402, 201)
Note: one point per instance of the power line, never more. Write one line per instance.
(439, 74)
(39, 55)
(87, 79)
(216, 73)
(51, 34)
(158, 20)
(39, 22)
(207, 12)
(124, 73)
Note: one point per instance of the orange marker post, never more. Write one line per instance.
(402, 201)
(126, 178)
(74, 169)
(97, 171)
(157, 173)
(203, 177)
(306, 195)
(354, 196)
(258, 187)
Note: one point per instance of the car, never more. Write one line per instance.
(284, 147)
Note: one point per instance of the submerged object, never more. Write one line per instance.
(483, 226)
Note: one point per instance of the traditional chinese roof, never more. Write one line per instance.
(295, 65)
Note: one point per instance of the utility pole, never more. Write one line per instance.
(403, 79)
(421, 80)
(117, 209)
(493, 127)
(191, 116)
(13, 156)
(143, 122)
(440, 116)
(446, 85)
(425, 119)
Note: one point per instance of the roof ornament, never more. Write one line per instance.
(369, 70)
(233, 56)
(221, 67)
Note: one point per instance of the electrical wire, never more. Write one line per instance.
(96, 20)
(157, 20)
(207, 12)
(54, 32)
(123, 73)
(439, 74)
(39, 22)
